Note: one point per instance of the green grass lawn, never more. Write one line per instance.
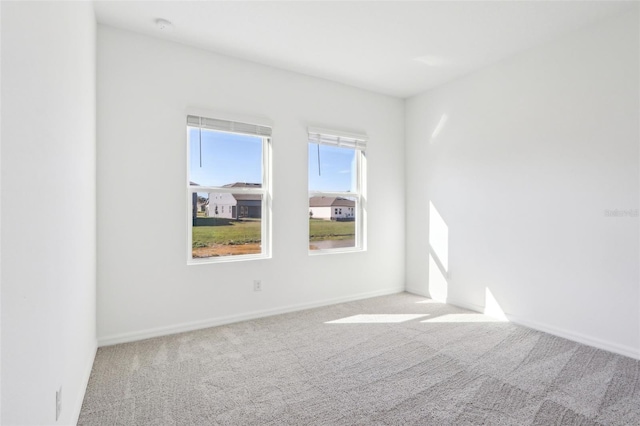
(248, 231)
(320, 230)
(240, 232)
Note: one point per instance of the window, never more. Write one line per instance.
(337, 213)
(228, 190)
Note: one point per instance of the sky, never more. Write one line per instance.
(335, 171)
(228, 158)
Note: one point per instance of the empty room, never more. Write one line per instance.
(319, 212)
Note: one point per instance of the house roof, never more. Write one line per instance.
(241, 196)
(331, 202)
(245, 197)
(242, 185)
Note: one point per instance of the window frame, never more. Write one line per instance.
(264, 191)
(359, 141)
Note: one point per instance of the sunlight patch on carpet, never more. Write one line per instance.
(463, 318)
(377, 318)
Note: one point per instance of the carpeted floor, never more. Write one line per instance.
(391, 360)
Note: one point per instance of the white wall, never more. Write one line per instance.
(0, 218)
(145, 286)
(48, 209)
(321, 212)
(520, 173)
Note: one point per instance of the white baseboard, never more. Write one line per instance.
(417, 292)
(560, 332)
(578, 337)
(77, 407)
(213, 322)
(465, 305)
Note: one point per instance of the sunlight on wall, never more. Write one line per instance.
(439, 236)
(463, 318)
(438, 255)
(432, 60)
(439, 126)
(377, 318)
(438, 286)
(491, 306)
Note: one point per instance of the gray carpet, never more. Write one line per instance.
(391, 360)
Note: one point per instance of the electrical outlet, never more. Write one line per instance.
(58, 403)
(257, 285)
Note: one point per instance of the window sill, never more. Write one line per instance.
(227, 259)
(336, 251)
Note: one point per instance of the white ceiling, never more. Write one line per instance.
(372, 45)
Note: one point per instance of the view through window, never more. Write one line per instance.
(335, 192)
(228, 188)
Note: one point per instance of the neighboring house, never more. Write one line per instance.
(332, 208)
(235, 206)
(221, 205)
(195, 204)
(202, 203)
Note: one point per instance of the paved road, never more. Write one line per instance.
(330, 244)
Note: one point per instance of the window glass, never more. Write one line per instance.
(332, 168)
(336, 181)
(227, 194)
(227, 225)
(220, 158)
(332, 227)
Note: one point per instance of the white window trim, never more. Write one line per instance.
(222, 115)
(265, 191)
(358, 143)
